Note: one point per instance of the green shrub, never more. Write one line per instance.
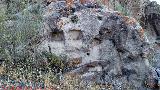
(55, 61)
(16, 36)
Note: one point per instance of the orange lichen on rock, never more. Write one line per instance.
(105, 2)
(141, 31)
(82, 1)
(131, 21)
(126, 18)
(69, 3)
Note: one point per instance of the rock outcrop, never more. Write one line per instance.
(151, 20)
(108, 47)
(150, 23)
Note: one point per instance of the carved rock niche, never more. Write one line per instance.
(58, 36)
(75, 34)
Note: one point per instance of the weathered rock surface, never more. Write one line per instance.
(150, 22)
(108, 47)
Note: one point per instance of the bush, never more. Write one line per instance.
(16, 34)
(57, 63)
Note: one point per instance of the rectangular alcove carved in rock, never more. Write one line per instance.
(58, 36)
(75, 34)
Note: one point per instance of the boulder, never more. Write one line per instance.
(111, 45)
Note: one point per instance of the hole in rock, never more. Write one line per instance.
(57, 36)
(88, 53)
(99, 17)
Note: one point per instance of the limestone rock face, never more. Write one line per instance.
(108, 46)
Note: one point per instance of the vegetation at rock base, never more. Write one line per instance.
(20, 22)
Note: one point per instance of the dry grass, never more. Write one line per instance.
(2, 70)
(73, 81)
